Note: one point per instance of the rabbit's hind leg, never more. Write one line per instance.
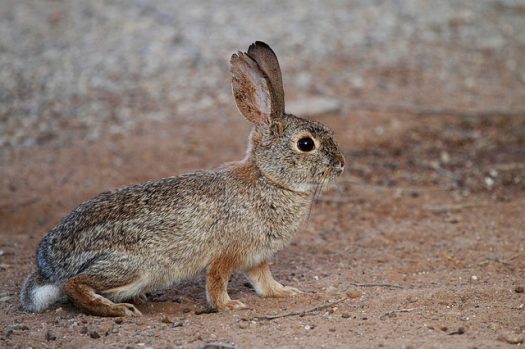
(82, 291)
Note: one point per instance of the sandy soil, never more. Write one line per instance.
(450, 245)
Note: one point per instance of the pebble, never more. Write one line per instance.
(94, 334)
(354, 294)
(519, 289)
(345, 315)
(166, 320)
(50, 336)
(459, 331)
(511, 338)
(119, 320)
(15, 329)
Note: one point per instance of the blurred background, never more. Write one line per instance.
(75, 70)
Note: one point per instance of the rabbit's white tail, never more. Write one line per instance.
(38, 293)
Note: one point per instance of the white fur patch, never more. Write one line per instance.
(128, 291)
(44, 296)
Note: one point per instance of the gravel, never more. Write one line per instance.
(75, 70)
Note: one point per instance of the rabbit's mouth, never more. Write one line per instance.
(332, 173)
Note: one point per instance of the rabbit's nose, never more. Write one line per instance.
(340, 162)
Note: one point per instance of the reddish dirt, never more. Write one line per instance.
(433, 204)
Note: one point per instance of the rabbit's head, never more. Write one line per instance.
(293, 152)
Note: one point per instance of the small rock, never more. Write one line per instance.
(19, 328)
(166, 320)
(511, 338)
(444, 328)
(50, 336)
(186, 310)
(205, 311)
(177, 324)
(345, 315)
(331, 290)
(474, 278)
(119, 320)
(411, 299)
(243, 325)
(518, 289)
(332, 329)
(94, 334)
(354, 294)
(84, 330)
(216, 345)
(309, 327)
(459, 331)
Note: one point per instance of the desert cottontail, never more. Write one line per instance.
(124, 243)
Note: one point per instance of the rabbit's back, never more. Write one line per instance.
(165, 223)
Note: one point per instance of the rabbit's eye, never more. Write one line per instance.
(306, 144)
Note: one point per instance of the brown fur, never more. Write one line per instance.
(219, 273)
(82, 291)
(246, 171)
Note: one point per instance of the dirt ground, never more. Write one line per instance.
(420, 243)
(448, 241)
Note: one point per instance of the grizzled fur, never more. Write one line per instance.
(127, 242)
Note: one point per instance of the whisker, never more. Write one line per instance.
(315, 196)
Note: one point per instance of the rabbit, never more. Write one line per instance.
(125, 243)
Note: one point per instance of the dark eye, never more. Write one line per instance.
(306, 144)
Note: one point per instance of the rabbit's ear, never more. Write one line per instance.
(251, 89)
(268, 63)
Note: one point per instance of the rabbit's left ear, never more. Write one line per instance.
(251, 90)
(268, 63)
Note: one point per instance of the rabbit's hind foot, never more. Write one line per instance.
(82, 291)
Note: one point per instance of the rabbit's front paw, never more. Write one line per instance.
(127, 309)
(232, 305)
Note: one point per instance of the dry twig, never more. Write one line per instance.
(393, 312)
(299, 312)
(451, 208)
(498, 260)
(374, 284)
